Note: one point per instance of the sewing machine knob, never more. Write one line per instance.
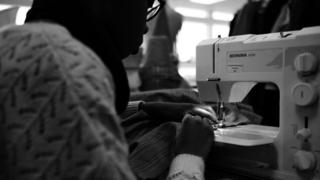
(304, 161)
(304, 134)
(306, 63)
(304, 94)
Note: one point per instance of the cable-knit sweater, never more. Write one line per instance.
(57, 115)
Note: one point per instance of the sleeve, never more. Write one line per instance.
(133, 107)
(58, 109)
(186, 167)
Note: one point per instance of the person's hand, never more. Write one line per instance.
(196, 135)
(204, 111)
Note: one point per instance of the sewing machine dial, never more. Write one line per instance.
(304, 94)
(306, 63)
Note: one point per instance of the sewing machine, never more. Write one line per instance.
(288, 60)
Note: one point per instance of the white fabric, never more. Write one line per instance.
(185, 167)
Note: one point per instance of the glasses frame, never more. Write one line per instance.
(153, 11)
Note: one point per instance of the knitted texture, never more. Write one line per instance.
(57, 115)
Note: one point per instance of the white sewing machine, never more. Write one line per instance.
(289, 60)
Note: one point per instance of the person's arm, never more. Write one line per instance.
(132, 108)
(192, 147)
(167, 111)
(195, 139)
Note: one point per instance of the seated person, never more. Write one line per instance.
(62, 86)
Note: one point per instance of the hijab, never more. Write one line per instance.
(83, 24)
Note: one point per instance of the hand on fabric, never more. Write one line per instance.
(204, 111)
(196, 135)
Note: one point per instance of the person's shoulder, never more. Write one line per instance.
(47, 28)
(33, 32)
(39, 36)
(9, 32)
(32, 28)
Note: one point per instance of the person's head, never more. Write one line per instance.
(113, 29)
(123, 22)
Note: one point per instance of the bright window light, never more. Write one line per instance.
(3, 7)
(188, 38)
(190, 12)
(220, 30)
(206, 1)
(188, 72)
(222, 16)
(21, 15)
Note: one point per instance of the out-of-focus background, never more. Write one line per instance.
(203, 19)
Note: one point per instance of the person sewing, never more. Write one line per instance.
(62, 86)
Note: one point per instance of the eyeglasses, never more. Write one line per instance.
(154, 9)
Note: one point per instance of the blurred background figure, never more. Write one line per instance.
(160, 66)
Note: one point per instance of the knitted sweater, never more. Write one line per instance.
(57, 115)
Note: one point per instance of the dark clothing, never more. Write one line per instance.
(256, 17)
(304, 13)
(245, 19)
(297, 14)
(268, 14)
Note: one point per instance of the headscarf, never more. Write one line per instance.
(81, 21)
